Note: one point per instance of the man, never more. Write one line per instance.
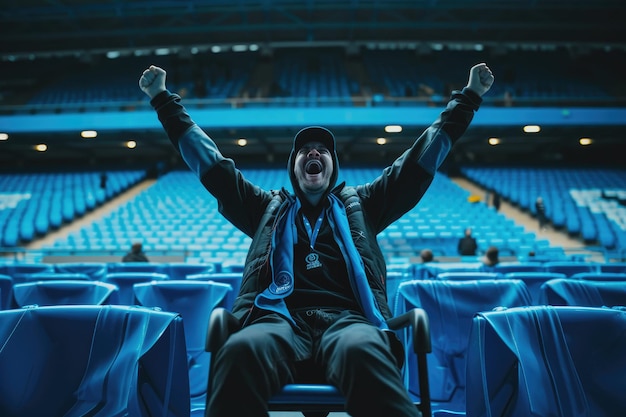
(312, 304)
(135, 254)
(467, 244)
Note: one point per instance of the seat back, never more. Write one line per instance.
(231, 278)
(601, 276)
(19, 271)
(547, 361)
(570, 268)
(137, 267)
(450, 306)
(125, 282)
(464, 276)
(534, 281)
(194, 301)
(92, 360)
(95, 270)
(6, 291)
(62, 292)
(583, 293)
(180, 270)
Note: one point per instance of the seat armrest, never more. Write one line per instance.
(417, 318)
(222, 323)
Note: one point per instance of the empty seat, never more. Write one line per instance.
(583, 293)
(570, 268)
(95, 270)
(534, 281)
(547, 361)
(125, 282)
(450, 306)
(92, 360)
(601, 276)
(62, 292)
(194, 301)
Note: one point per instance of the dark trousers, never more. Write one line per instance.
(341, 348)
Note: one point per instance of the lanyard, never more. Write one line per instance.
(313, 233)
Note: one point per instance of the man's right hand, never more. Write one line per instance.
(152, 81)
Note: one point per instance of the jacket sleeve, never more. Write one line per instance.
(402, 184)
(240, 201)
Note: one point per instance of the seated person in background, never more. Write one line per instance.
(427, 256)
(491, 257)
(467, 244)
(136, 254)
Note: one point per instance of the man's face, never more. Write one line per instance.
(313, 168)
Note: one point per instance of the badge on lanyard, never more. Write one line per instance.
(312, 259)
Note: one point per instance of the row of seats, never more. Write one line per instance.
(451, 305)
(586, 203)
(176, 213)
(461, 352)
(32, 205)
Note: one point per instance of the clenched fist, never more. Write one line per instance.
(480, 79)
(152, 81)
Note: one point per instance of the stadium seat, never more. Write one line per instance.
(231, 278)
(508, 267)
(547, 361)
(600, 276)
(6, 291)
(194, 301)
(137, 267)
(320, 399)
(53, 276)
(465, 276)
(583, 293)
(125, 282)
(18, 271)
(92, 360)
(570, 268)
(450, 305)
(534, 281)
(180, 270)
(62, 292)
(95, 270)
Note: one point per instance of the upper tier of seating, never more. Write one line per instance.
(313, 77)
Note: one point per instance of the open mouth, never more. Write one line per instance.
(313, 166)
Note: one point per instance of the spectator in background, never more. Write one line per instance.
(540, 210)
(491, 257)
(467, 244)
(135, 254)
(496, 201)
(426, 255)
(312, 303)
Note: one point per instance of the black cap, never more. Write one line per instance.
(314, 134)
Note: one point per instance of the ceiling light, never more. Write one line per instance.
(131, 144)
(88, 134)
(494, 141)
(42, 147)
(393, 129)
(381, 141)
(4, 136)
(585, 141)
(242, 142)
(532, 128)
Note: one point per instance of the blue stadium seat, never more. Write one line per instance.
(18, 271)
(450, 306)
(547, 361)
(508, 267)
(601, 276)
(194, 301)
(534, 281)
(95, 270)
(125, 282)
(180, 270)
(465, 276)
(62, 292)
(6, 291)
(231, 278)
(570, 268)
(583, 293)
(137, 267)
(92, 360)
